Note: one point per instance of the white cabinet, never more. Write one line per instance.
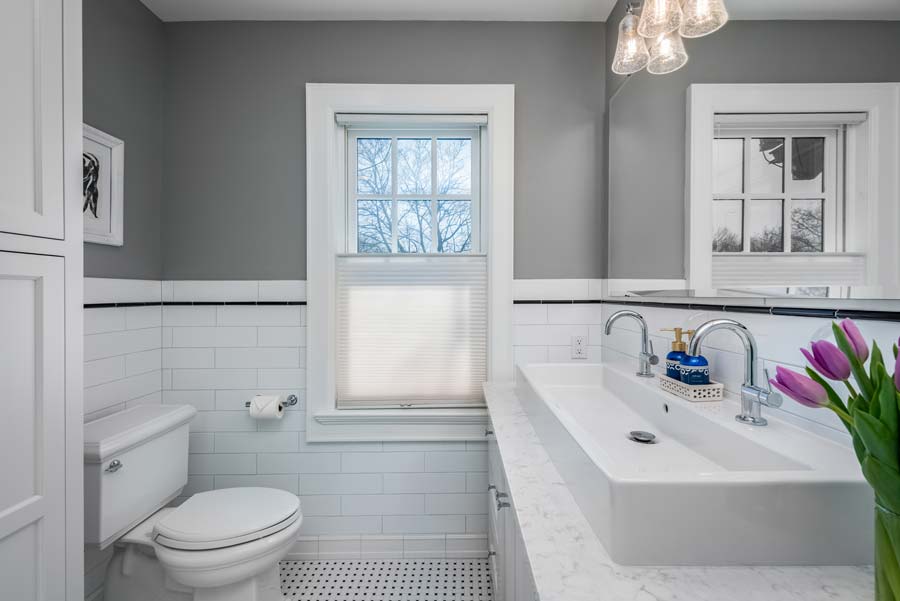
(41, 273)
(32, 429)
(31, 157)
(511, 571)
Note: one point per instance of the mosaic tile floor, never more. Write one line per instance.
(387, 580)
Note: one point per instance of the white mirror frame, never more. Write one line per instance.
(882, 103)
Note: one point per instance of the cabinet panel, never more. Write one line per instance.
(31, 158)
(32, 432)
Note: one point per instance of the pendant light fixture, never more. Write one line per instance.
(631, 50)
(667, 54)
(660, 16)
(661, 26)
(702, 17)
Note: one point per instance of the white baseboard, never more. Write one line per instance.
(418, 546)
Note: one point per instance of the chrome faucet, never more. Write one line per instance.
(752, 396)
(646, 358)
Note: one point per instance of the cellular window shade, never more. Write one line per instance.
(411, 331)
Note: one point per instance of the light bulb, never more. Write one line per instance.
(667, 53)
(631, 50)
(702, 17)
(659, 16)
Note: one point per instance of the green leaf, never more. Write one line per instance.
(876, 360)
(858, 447)
(885, 481)
(887, 399)
(896, 351)
(877, 439)
(859, 372)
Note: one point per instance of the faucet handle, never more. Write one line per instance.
(769, 397)
(653, 359)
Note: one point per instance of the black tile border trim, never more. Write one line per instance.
(782, 311)
(196, 304)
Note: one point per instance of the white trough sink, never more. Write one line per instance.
(709, 491)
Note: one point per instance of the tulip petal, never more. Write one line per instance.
(855, 337)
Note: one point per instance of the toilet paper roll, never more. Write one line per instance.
(266, 407)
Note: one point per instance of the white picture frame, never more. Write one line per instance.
(103, 162)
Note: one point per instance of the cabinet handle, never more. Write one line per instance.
(114, 466)
(488, 431)
(502, 495)
(492, 487)
(502, 505)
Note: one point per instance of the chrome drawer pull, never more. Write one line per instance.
(114, 466)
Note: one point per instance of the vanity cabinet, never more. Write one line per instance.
(510, 569)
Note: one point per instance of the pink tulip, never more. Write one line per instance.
(802, 389)
(860, 349)
(828, 360)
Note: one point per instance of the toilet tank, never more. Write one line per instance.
(135, 462)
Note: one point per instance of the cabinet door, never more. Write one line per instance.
(32, 428)
(31, 118)
(495, 518)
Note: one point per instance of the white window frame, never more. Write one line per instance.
(327, 233)
(875, 187)
(832, 193)
(474, 196)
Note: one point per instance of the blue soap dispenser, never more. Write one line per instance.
(678, 352)
(694, 370)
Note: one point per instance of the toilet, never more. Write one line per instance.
(220, 545)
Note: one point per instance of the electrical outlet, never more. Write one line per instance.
(579, 347)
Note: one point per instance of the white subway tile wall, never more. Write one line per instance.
(778, 338)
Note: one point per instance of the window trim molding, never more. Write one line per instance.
(881, 101)
(326, 233)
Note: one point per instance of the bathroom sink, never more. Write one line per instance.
(707, 490)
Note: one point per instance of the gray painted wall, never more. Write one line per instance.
(647, 120)
(124, 85)
(235, 205)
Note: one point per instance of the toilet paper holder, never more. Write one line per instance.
(288, 402)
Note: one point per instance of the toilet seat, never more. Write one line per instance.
(227, 517)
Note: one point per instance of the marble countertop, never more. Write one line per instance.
(569, 563)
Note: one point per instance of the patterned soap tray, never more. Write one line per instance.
(699, 393)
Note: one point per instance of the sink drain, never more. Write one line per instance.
(642, 437)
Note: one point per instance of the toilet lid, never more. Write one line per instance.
(226, 517)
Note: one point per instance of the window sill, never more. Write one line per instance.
(361, 425)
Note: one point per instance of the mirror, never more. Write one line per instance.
(755, 191)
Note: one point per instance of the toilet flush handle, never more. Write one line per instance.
(114, 466)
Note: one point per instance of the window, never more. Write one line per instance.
(373, 282)
(414, 191)
(412, 286)
(776, 190)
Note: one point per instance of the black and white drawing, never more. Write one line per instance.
(103, 162)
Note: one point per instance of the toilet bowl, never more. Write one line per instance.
(221, 545)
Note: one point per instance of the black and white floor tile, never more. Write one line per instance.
(387, 580)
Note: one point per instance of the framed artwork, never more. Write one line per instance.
(103, 187)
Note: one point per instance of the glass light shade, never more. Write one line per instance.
(660, 16)
(667, 53)
(631, 50)
(702, 17)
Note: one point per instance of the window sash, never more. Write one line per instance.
(832, 194)
(352, 196)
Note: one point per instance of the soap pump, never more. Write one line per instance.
(678, 352)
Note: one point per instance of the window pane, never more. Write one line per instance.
(808, 226)
(454, 226)
(454, 165)
(767, 165)
(414, 166)
(373, 226)
(808, 165)
(414, 226)
(728, 219)
(728, 165)
(373, 165)
(766, 226)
